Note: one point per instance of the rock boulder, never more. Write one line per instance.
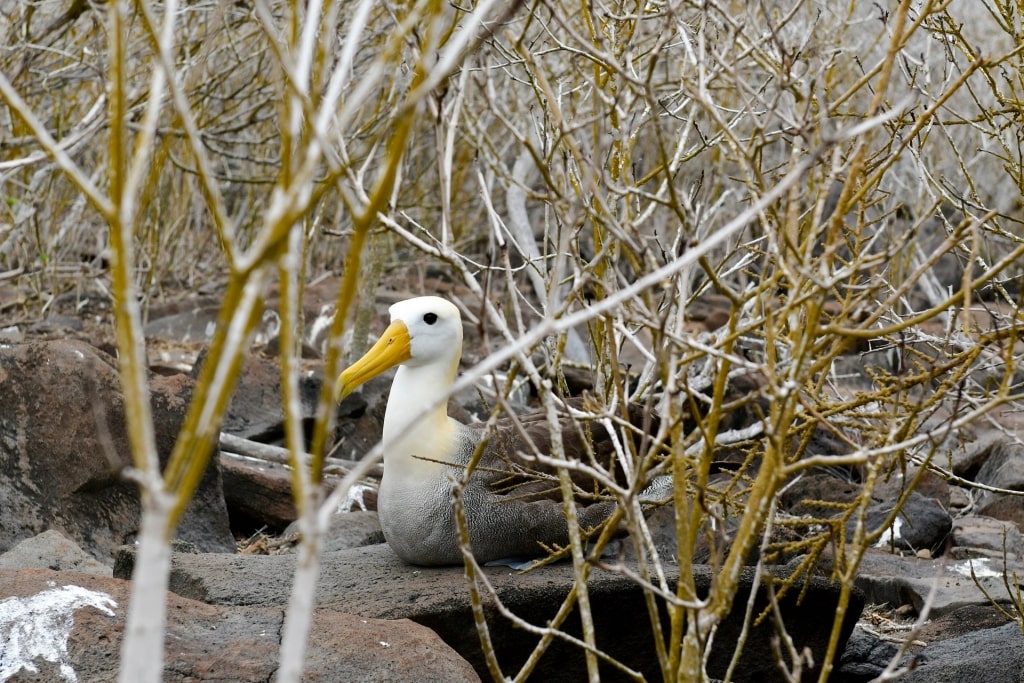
(372, 582)
(69, 626)
(64, 444)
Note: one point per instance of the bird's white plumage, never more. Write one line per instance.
(425, 450)
(414, 441)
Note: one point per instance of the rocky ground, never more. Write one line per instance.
(68, 520)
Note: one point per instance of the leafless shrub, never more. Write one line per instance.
(841, 179)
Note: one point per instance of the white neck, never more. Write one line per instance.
(430, 435)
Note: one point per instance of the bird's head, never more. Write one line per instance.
(423, 331)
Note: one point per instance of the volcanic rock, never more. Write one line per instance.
(64, 445)
(372, 582)
(67, 626)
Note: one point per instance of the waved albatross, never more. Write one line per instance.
(415, 499)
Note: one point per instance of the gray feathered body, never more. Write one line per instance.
(509, 512)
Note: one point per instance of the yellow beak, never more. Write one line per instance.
(390, 350)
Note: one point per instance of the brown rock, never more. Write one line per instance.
(1004, 507)
(927, 484)
(205, 523)
(361, 418)
(819, 495)
(63, 445)
(259, 493)
(256, 409)
(203, 642)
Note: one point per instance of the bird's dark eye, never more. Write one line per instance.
(430, 318)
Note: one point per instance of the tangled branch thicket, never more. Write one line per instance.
(833, 190)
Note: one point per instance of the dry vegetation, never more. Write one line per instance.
(840, 178)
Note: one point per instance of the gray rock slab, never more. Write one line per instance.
(895, 580)
(52, 550)
(372, 582)
(993, 655)
(865, 657)
(348, 530)
(196, 325)
(868, 653)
